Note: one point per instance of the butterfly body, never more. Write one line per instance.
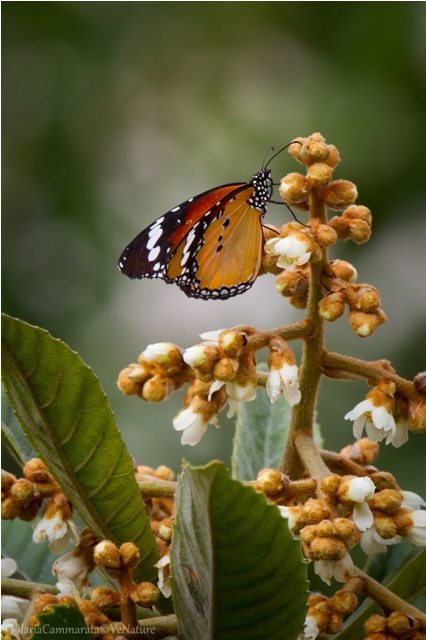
(210, 245)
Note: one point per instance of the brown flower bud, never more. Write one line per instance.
(294, 188)
(308, 534)
(9, 509)
(375, 624)
(145, 595)
(345, 528)
(369, 450)
(330, 484)
(299, 302)
(417, 416)
(139, 373)
(398, 623)
(332, 306)
(105, 598)
(344, 602)
(314, 511)
(324, 235)
(296, 147)
(165, 530)
(340, 226)
(270, 481)
(44, 602)
(35, 471)
(163, 472)
(359, 231)
(7, 481)
(385, 526)
(333, 158)
(420, 382)
(324, 529)
(368, 299)
(339, 194)
(292, 283)
(319, 174)
(327, 549)
(382, 479)
(344, 270)
(92, 616)
(22, 491)
(364, 324)
(387, 500)
(335, 623)
(358, 212)
(225, 369)
(127, 385)
(157, 389)
(231, 342)
(107, 555)
(129, 554)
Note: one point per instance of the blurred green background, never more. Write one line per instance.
(114, 112)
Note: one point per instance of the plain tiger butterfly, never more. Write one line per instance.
(210, 245)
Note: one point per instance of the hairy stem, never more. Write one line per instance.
(310, 371)
(310, 455)
(161, 627)
(295, 331)
(388, 600)
(151, 487)
(24, 589)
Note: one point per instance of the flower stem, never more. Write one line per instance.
(310, 372)
(155, 487)
(388, 600)
(161, 627)
(24, 589)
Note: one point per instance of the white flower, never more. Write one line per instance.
(360, 490)
(401, 433)
(195, 355)
(417, 533)
(8, 567)
(377, 421)
(193, 426)
(159, 351)
(163, 567)
(67, 588)
(10, 628)
(410, 500)
(242, 394)
(285, 381)
(311, 630)
(371, 542)
(291, 513)
(340, 570)
(73, 568)
(293, 252)
(13, 607)
(59, 532)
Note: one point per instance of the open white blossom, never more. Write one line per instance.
(417, 533)
(163, 567)
(58, 531)
(73, 568)
(340, 570)
(292, 251)
(192, 425)
(371, 542)
(10, 629)
(378, 423)
(360, 490)
(311, 630)
(67, 588)
(411, 500)
(284, 381)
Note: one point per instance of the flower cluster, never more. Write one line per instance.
(325, 615)
(363, 300)
(23, 498)
(160, 371)
(397, 626)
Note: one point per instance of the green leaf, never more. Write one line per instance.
(260, 435)
(16, 440)
(34, 560)
(67, 419)
(60, 622)
(407, 580)
(237, 572)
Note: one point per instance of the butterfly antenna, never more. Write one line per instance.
(278, 152)
(270, 148)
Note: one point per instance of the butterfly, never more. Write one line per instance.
(209, 246)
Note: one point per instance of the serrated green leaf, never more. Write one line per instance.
(67, 419)
(260, 434)
(407, 580)
(61, 621)
(237, 572)
(16, 440)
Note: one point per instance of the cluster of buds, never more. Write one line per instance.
(386, 414)
(363, 300)
(23, 498)
(325, 615)
(397, 626)
(354, 223)
(160, 371)
(119, 564)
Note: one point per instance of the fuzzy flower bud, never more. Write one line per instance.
(270, 481)
(319, 174)
(294, 188)
(157, 388)
(330, 484)
(420, 382)
(292, 283)
(231, 342)
(387, 500)
(368, 299)
(364, 324)
(339, 194)
(358, 212)
(417, 416)
(162, 353)
(36, 472)
(107, 555)
(105, 598)
(359, 231)
(314, 512)
(344, 270)
(332, 306)
(129, 554)
(165, 531)
(127, 383)
(22, 491)
(324, 235)
(225, 369)
(333, 157)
